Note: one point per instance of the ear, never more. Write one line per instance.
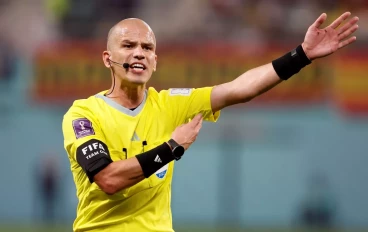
(155, 65)
(106, 59)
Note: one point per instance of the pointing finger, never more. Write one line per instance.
(199, 125)
(196, 119)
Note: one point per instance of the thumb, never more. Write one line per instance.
(321, 19)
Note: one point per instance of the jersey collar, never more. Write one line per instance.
(121, 108)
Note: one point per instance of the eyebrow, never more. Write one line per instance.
(134, 42)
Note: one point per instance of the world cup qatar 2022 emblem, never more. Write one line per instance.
(82, 127)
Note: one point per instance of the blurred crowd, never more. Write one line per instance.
(25, 24)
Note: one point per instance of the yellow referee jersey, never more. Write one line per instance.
(146, 205)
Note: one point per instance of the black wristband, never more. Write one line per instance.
(291, 63)
(154, 159)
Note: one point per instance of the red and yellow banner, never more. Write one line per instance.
(350, 83)
(66, 71)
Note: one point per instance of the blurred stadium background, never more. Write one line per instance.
(294, 159)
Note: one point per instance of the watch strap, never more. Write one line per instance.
(173, 144)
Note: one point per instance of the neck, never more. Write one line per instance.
(128, 96)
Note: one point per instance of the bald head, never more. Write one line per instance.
(129, 26)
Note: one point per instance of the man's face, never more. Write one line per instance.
(134, 43)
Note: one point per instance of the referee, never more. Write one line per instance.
(123, 142)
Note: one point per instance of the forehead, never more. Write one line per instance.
(135, 33)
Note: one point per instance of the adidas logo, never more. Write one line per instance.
(157, 159)
(135, 137)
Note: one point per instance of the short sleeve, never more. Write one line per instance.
(79, 126)
(185, 104)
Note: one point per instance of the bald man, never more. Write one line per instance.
(123, 142)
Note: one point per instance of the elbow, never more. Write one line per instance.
(107, 186)
(109, 189)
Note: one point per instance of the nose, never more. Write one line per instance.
(138, 53)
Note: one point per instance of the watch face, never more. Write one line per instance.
(178, 151)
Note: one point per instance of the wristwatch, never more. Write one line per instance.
(177, 149)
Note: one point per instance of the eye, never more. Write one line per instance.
(147, 48)
(127, 46)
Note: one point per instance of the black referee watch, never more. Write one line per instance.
(177, 149)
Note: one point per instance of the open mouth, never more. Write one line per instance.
(137, 66)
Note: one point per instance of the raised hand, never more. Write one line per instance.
(323, 42)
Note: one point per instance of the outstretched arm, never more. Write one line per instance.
(317, 43)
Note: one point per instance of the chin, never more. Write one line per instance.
(138, 80)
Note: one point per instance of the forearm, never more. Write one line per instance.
(254, 83)
(258, 80)
(245, 87)
(122, 174)
(119, 175)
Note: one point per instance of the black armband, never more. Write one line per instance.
(93, 156)
(154, 159)
(291, 63)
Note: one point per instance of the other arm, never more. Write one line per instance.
(119, 175)
(122, 174)
(317, 43)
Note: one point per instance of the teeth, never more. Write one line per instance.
(138, 66)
